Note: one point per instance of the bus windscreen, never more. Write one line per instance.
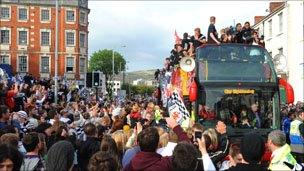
(233, 62)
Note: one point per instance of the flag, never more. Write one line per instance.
(177, 38)
(177, 108)
(69, 96)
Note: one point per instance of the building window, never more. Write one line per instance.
(45, 15)
(281, 22)
(280, 51)
(4, 59)
(5, 12)
(70, 16)
(22, 14)
(82, 65)
(45, 38)
(45, 64)
(22, 63)
(270, 28)
(70, 39)
(70, 64)
(5, 36)
(22, 38)
(82, 39)
(82, 17)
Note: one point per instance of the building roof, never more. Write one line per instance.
(274, 8)
(72, 3)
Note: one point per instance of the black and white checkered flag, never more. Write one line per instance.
(177, 106)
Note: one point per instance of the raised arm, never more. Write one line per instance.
(177, 129)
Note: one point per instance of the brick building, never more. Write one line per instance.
(28, 37)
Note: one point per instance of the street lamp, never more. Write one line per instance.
(56, 56)
(123, 73)
(113, 63)
(113, 71)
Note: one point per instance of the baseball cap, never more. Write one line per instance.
(22, 114)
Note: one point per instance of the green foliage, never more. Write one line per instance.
(102, 61)
(138, 89)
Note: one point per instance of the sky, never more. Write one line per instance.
(146, 28)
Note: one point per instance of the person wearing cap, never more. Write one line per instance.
(65, 116)
(297, 136)
(280, 151)
(252, 149)
(25, 124)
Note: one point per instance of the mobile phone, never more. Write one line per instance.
(198, 134)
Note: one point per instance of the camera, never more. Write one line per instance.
(198, 134)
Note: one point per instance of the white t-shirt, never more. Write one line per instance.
(168, 150)
(65, 120)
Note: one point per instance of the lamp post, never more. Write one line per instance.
(113, 63)
(56, 56)
(123, 73)
(113, 72)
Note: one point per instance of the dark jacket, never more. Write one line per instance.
(222, 151)
(247, 167)
(151, 161)
(86, 150)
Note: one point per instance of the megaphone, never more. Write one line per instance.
(187, 64)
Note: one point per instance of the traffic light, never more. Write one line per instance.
(96, 78)
(89, 80)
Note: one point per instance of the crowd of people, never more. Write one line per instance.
(86, 132)
(237, 34)
(92, 134)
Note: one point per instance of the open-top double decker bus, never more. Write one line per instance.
(232, 77)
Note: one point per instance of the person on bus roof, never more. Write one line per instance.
(212, 33)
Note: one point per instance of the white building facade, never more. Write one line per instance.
(283, 31)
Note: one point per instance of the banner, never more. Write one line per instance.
(176, 108)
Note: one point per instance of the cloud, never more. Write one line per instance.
(147, 27)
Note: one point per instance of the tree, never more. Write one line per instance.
(138, 89)
(102, 61)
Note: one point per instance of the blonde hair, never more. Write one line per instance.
(121, 139)
(163, 140)
(213, 136)
(105, 121)
(173, 137)
(160, 130)
(151, 105)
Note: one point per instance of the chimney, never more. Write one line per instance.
(274, 5)
(258, 19)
